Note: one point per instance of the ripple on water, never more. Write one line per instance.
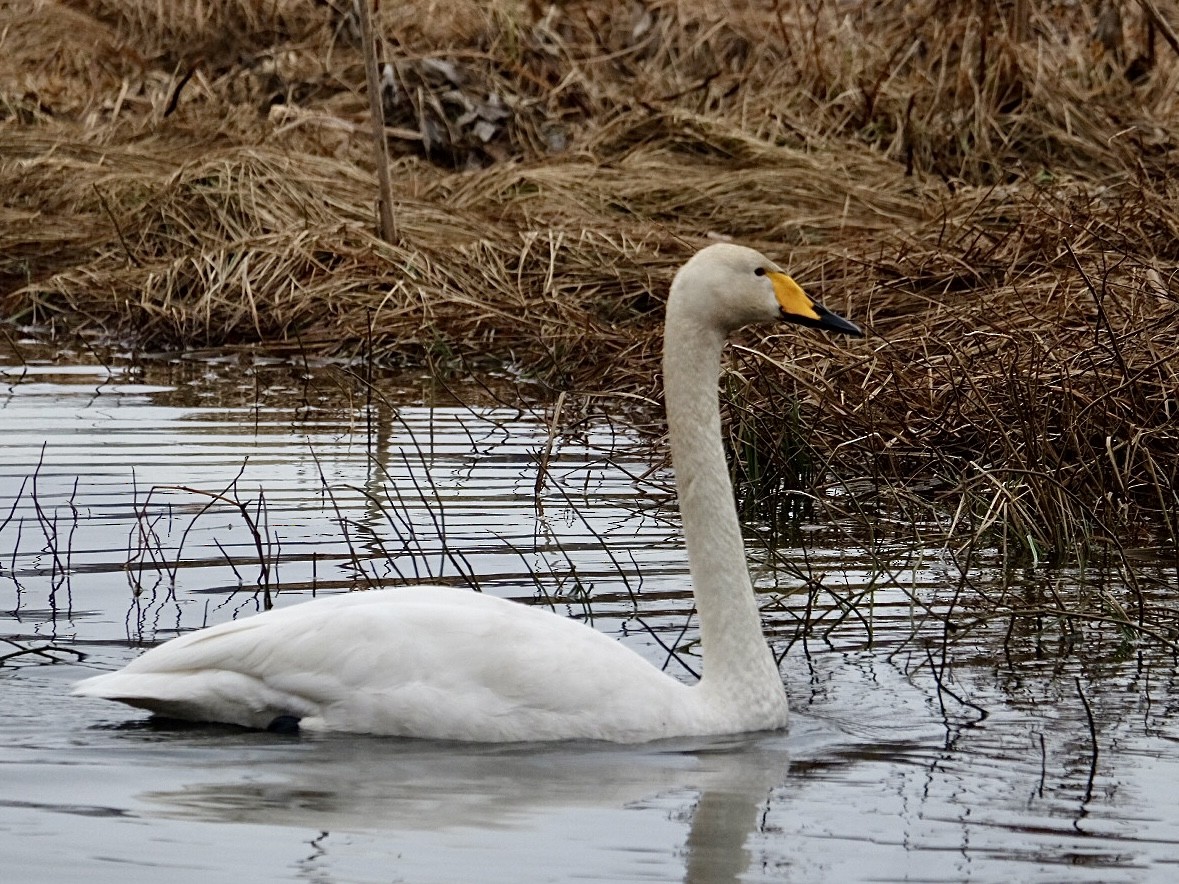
(900, 765)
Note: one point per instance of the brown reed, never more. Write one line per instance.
(987, 187)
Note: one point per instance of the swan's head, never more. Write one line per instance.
(727, 286)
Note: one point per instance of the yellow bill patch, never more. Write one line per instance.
(791, 298)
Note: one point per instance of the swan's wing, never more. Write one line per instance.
(425, 661)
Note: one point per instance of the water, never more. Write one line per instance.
(127, 494)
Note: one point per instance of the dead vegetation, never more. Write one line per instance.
(988, 186)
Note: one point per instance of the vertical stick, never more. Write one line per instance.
(1019, 21)
(387, 228)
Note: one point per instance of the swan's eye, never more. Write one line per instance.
(760, 271)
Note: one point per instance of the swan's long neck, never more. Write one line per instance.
(736, 658)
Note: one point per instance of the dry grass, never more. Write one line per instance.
(988, 187)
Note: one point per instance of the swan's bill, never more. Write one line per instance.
(796, 306)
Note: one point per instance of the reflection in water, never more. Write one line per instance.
(1026, 753)
(382, 785)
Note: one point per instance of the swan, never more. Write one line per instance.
(448, 663)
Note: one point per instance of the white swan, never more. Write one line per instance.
(446, 663)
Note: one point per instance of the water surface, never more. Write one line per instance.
(142, 500)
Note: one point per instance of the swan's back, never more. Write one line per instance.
(435, 662)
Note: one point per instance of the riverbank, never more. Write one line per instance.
(989, 191)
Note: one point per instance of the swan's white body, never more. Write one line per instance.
(446, 663)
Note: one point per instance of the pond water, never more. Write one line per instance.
(138, 500)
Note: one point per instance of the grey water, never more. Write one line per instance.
(140, 499)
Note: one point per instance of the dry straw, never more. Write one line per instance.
(989, 187)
